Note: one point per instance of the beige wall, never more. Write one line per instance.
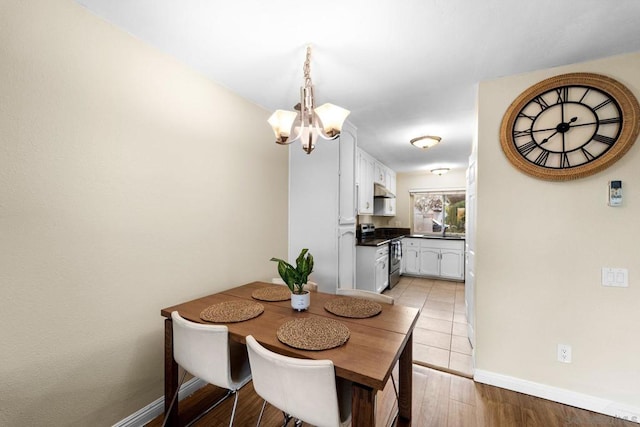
(540, 248)
(128, 183)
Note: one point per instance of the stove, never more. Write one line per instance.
(395, 259)
(367, 234)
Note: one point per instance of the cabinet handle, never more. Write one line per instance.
(367, 205)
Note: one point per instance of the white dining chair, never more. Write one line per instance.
(206, 352)
(309, 286)
(303, 389)
(368, 295)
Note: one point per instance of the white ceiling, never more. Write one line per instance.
(404, 68)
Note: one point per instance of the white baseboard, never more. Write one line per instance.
(567, 397)
(155, 408)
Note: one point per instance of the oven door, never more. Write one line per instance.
(394, 278)
(395, 257)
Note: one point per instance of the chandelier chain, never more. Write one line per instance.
(307, 68)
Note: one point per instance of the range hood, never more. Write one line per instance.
(381, 191)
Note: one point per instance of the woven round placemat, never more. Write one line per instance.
(272, 293)
(313, 333)
(232, 311)
(356, 308)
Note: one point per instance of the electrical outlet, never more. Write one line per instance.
(564, 353)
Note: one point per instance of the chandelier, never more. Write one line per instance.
(308, 122)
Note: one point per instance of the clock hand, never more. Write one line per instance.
(591, 123)
(544, 141)
(562, 128)
(545, 130)
(573, 119)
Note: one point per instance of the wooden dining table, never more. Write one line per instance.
(367, 359)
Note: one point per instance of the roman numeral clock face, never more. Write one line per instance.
(570, 126)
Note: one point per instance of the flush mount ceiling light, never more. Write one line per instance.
(309, 122)
(440, 171)
(426, 141)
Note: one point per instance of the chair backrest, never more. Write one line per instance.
(302, 388)
(202, 350)
(309, 286)
(360, 293)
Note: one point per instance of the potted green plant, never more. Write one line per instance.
(296, 277)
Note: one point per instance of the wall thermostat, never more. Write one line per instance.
(615, 193)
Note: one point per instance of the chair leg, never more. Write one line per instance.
(229, 393)
(287, 418)
(233, 411)
(173, 400)
(261, 412)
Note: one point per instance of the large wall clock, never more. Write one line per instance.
(570, 126)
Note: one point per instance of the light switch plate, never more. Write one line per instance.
(616, 277)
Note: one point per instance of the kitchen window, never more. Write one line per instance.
(438, 212)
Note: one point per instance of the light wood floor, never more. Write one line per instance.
(440, 399)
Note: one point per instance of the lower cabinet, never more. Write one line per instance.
(346, 257)
(372, 268)
(433, 258)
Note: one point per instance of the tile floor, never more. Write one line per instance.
(440, 338)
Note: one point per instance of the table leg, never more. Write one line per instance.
(406, 376)
(170, 375)
(363, 406)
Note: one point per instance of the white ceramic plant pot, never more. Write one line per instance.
(300, 302)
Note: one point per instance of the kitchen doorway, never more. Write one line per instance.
(440, 338)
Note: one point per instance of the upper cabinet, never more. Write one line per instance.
(390, 181)
(347, 176)
(380, 174)
(365, 183)
(371, 172)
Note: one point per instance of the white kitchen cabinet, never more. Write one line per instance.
(441, 258)
(347, 177)
(322, 208)
(346, 257)
(372, 268)
(382, 273)
(365, 183)
(429, 261)
(370, 172)
(410, 261)
(452, 263)
(391, 181)
(380, 174)
(384, 207)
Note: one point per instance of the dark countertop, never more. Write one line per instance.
(383, 241)
(385, 235)
(382, 236)
(434, 236)
(372, 242)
